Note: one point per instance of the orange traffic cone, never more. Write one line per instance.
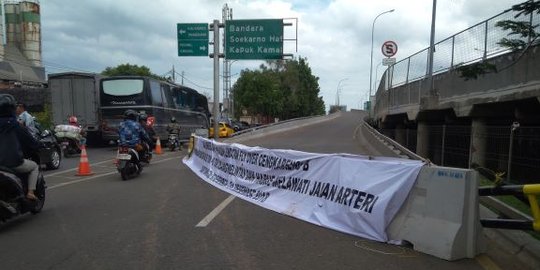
(84, 166)
(158, 147)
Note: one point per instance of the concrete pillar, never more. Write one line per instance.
(422, 140)
(401, 135)
(477, 152)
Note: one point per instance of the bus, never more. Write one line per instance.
(160, 100)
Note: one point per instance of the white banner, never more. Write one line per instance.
(348, 193)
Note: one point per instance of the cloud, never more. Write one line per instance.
(335, 36)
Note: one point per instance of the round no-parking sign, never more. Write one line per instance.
(389, 48)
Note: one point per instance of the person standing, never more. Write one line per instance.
(26, 119)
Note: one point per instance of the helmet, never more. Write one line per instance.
(73, 120)
(7, 105)
(173, 120)
(143, 117)
(130, 114)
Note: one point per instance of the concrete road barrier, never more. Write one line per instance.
(441, 215)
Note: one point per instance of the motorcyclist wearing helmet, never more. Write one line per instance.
(173, 127)
(131, 132)
(143, 120)
(73, 121)
(16, 142)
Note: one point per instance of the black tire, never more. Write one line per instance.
(124, 173)
(56, 158)
(40, 194)
(139, 168)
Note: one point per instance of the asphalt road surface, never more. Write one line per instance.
(168, 218)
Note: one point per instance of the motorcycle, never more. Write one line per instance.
(69, 145)
(13, 189)
(146, 154)
(173, 142)
(69, 138)
(128, 162)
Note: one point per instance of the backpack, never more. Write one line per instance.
(12, 155)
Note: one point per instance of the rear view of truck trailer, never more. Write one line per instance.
(77, 94)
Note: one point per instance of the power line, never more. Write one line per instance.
(10, 57)
(188, 80)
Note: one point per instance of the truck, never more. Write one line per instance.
(75, 93)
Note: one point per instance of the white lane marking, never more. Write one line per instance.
(206, 220)
(80, 180)
(74, 169)
(98, 176)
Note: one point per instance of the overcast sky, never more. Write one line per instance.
(334, 36)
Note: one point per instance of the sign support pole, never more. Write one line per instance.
(216, 78)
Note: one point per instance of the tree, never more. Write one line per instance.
(130, 70)
(258, 93)
(284, 89)
(522, 29)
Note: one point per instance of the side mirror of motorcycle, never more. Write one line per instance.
(45, 133)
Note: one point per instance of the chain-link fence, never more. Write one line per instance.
(474, 44)
(450, 145)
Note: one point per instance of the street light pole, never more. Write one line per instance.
(376, 75)
(337, 89)
(227, 15)
(431, 48)
(371, 58)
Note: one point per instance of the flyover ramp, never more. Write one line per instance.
(437, 222)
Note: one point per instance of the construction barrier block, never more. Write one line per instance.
(441, 214)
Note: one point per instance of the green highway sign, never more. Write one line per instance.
(254, 39)
(192, 39)
(367, 105)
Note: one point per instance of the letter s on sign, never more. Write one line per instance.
(389, 48)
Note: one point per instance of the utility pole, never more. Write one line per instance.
(215, 27)
(227, 15)
(431, 49)
(173, 74)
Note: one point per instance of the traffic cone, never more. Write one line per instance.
(158, 147)
(84, 166)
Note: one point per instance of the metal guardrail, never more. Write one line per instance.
(249, 130)
(401, 150)
(476, 43)
(516, 220)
